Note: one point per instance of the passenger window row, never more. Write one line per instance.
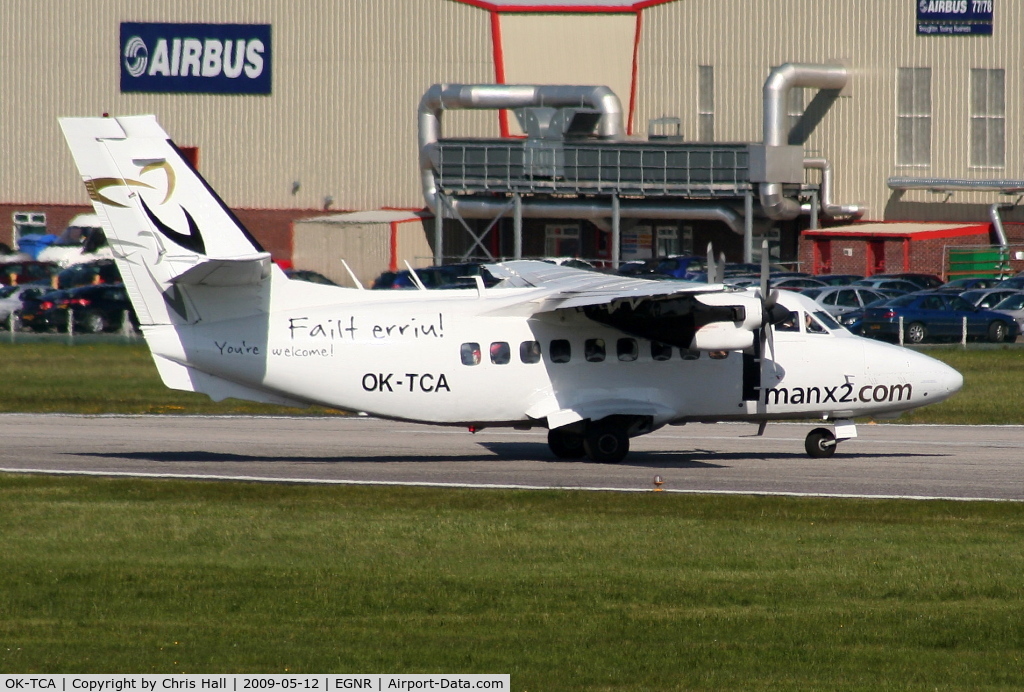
(560, 351)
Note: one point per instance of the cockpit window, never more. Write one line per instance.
(790, 324)
(827, 320)
(593, 350)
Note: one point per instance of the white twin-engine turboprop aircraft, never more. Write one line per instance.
(594, 358)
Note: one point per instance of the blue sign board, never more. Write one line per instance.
(954, 17)
(195, 58)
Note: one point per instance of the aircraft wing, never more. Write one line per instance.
(680, 313)
(572, 288)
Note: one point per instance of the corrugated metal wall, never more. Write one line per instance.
(321, 244)
(743, 40)
(569, 49)
(341, 120)
(348, 77)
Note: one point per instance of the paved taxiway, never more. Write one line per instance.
(970, 462)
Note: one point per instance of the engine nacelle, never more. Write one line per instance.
(723, 336)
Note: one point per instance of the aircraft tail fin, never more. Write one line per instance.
(168, 229)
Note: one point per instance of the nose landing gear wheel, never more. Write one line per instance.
(566, 445)
(820, 443)
(606, 444)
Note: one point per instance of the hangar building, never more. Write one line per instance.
(314, 108)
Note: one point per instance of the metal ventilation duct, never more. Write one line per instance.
(775, 95)
(441, 97)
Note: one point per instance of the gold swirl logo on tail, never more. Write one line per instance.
(95, 186)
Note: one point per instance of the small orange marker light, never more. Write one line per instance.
(657, 484)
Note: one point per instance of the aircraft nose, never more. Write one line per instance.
(940, 380)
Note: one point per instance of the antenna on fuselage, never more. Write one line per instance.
(359, 284)
(414, 276)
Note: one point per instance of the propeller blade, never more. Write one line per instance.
(765, 282)
(712, 279)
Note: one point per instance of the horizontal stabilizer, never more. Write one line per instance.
(227, 272)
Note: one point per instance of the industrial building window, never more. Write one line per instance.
(562, 241)
(988, 118)
(914, 116)
(667, 240)
(705, 103)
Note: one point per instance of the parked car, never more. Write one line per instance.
(838, 300)
(26, 272)
(1013, 282)
(838, 279)
(798, 283)
(94, 308)
(308, 275)
(683, 267)
(11, 300)
(934, 315)
(923, 281)
(987, 297)
(445, 276)
(968, 284)
(888, 285)
(38, 311)
(102, 271)
(572, 262)
(1013, 306)
(854, 319)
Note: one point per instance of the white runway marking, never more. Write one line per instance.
(484, 486)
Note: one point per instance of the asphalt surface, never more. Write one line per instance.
(963, 462)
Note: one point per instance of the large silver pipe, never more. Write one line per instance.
(441, 97)
(997, 225)
(827, 207)
(774, 97)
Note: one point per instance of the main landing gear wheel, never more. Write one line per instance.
(820, 443)
(606, 443)
(565, 444)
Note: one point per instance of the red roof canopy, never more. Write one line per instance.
(565, 6)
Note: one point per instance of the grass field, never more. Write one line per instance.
(117, 378)
(563, 591)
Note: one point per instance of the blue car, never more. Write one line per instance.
(933, 315)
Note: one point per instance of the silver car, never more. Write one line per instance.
(1014, 307)
(838, 300)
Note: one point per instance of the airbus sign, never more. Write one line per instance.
(195, 58)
